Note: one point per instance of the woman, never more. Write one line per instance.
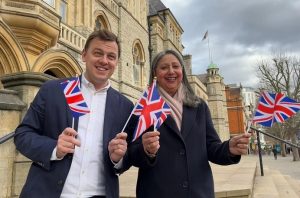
(174, 162)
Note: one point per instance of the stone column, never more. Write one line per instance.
(20, 89)
(188, 64)
(26, 84)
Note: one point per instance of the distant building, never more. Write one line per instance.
(216, 99)
(236, 110)
(250, 98)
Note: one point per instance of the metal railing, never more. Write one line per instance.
(259, 147)
(7, 137)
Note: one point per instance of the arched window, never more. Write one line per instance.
(100, 23)
(138, 64)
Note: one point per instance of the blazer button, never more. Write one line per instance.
(182, 152)
(60, 182)
(185, 184)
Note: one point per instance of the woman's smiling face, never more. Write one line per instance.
(169, 73)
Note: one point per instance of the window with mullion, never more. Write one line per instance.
(50, 2)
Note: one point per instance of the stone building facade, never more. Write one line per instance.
(43, 39)
(216, 99)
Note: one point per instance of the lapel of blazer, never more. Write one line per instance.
(188, 120)
(65, 107)
(109, 116)
(170, 123)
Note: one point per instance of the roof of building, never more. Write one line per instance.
(155, 6)
(212, 66)
(202, 78)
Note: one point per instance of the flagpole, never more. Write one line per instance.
(209, 52)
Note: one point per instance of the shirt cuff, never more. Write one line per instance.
(53, 156)
(118, 165)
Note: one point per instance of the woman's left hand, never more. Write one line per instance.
(151, 142)
(238, 145)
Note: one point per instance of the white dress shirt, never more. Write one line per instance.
(86, 175)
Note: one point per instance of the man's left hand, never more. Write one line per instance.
(117, 147)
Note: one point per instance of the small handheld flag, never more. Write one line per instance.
(74, 97)
(274, 108)
(151, 109)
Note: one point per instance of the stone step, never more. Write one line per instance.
(275, 185)
(264, 186)
(283, 187)
(234, 180)
(294, 183)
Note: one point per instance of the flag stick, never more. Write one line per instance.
(128, 118)
(136, 105)
(248, 126)
(132, 112)
(73, 122)
(251, 121)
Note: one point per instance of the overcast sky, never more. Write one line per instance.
(241, 33)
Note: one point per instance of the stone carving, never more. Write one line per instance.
(48, 15)
(20, 5)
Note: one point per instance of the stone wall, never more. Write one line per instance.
(10, 115)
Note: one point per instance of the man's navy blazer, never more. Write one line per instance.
(36, 137)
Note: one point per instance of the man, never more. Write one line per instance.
(79, 162)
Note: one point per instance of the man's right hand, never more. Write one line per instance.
(66, 142)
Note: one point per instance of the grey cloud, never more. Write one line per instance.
(239, 31)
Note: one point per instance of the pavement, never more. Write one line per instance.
(285, 165)
(236, 176)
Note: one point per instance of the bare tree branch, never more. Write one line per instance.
(282, 74)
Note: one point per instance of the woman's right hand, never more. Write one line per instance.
(151, 142)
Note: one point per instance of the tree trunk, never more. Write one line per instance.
(283, 149)
(295, 154)
(295, 150)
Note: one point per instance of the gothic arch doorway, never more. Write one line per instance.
(57, 63)
(12, 56)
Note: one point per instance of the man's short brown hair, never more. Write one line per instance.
(103, 35)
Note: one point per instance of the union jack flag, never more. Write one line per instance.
(151, 109)
(74, 97)
(274, 108)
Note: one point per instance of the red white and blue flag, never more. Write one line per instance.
(151, 109)
(273, 108)
(74, 97)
